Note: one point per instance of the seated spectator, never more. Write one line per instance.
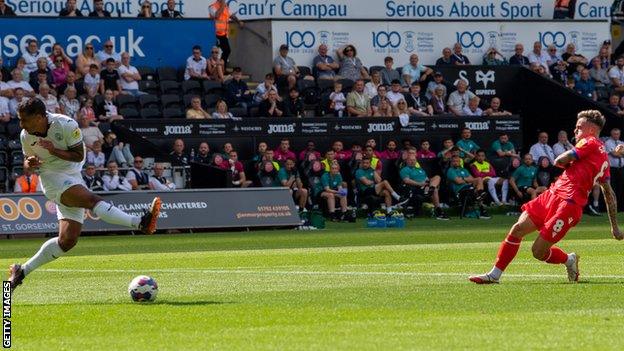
(294, 106)
(5, 112)
(17, 99)
(5, 90)
(388, 73)
(196, 111)
(239, 179)
(21, 66)
(369, 183)
(438, 81)
(113, 181)
(585, 86)
(267, 174)
(310, 149)
(447, 148)
(271, 107)
(573, 58)
(351, 66)
(18, 82)
(86, 59)
(518, 58)
(494, 58)
(98, 10)
(382, 94)
(116, 151)
(373, 155)
(86, 110)
(219, 161)
(324, 65)
(539, 57)
(481, 168)
(600, 78)
(458, 58)
(523, 180)
(106, 53)
(445, 60)
(215, 67)
(268, 156)
(384, 109)
(437, 102)
(467, 147)
(203, 154)
(494, 109)
(110, 79)
(158, 181)
(31, 56)
(340, 153)
(337, 100)
(129, 76)
(137, 177)
(425, 152)
(70, 106)
(28, 182)
(333, 190)
(562, 145)
(459, 98)
(558, 71)
(260, 152)
(40, 78)
(417, 104)
(92, 181)
(70, 81)
(95, 156)
(614, 104)
(48, 99)
(59, 73)
(70, 10)
(91, 81)
(170, 11)
(419, 185)
(552, 53)
(146, 10)
(541, 148)
(285, 68)
(370, 88)
(462, 182)
(107, 111)
(473, 107)
(262, 90)
(395, 94)
(414, 71)
(178, 154)
(503, 148)
(6, 11)
(391, 152)
(90, 134)
(545, 173)
(284, 153)
(196, 65)
(221, 111)
(237, 90)
(401, 110)
(358, 104)
(289, 177)
(330, 158)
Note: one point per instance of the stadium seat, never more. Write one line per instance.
(253, 112)
(15, 145)
(149, 100)
(149, 86)
(309, 92)
(238, 111)
(13, 129)
(304, 71)
(172, 112)
(147, 73)
(150, 113)
(3, 157)
(180, 72)
(98, 100)
(169, 87)
(167, 73)
(191, 87)
(376, 68)
(129, 113)
(2, 129)
(125, 101)
(170, 100)
(17, 158)
(211, 99)
(347, 84)
(325, 85)
(186, 99)
(211, 87)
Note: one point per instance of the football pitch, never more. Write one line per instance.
(343, 288)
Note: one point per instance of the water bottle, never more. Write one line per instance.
(340, 112)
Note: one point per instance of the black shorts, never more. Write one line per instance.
(368, 192)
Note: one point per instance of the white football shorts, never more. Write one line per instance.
(54, 185)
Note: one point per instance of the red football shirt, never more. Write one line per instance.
(591, 166)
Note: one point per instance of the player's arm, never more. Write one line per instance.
(74, 153)
(611, 203)
(563, 160)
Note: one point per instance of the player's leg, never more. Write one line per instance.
(331, 202)
(504, 184)
(384, 185)
(491, 185)
(303, 197)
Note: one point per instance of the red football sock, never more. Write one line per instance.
(507, 251)
(556, 256)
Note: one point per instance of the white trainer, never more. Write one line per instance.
(572, 268)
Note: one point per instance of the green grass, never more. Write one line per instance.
(342, 288)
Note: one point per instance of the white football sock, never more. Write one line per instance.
(495, 273)
(49, 251)
(111, 214)
(395, 195)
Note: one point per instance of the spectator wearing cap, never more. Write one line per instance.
(414, 71)
(445, 60)
(170, 11)
(324, 65)
(358, 104)
(92, 181)
(395, 94)
(585, 86)
(196, 65)
(108, 52)
(98, 10)
(285, 68)
(438, 81)
(459, 98)
(417, 104)
(70, 10)
(6, 11)
(351, 66)
(388, 73)
(109, 78)
(518, 58)
(495, 109)
(494, 58)
(129, 76)
(472, 109)
(539, 57)
(437, 101)
(32, 54)
(458, 58)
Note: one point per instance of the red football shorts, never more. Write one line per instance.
(553, 215)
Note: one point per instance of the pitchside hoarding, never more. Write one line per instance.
(338, 9)
(378, 39)
(182, 209)
(150, 43)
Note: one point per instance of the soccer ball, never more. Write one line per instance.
(143, 289)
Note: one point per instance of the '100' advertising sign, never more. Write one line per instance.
(340, 9)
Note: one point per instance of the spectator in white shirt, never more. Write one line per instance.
(19, 82)
(5, 113)
(16, 101)
(95, 156)
(338, 100)
(32, 54)
(541, 148)
(158, 181)
(196, 65)
(459, 99)
(262, 90)
(107, 53)
(616, 74)
(563, 144)
(130, 76)
(48, 99)
(473, 107)
(91, 80)
(537, 56)
(395, 94)
(113, 181)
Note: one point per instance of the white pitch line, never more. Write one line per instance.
(312, 273)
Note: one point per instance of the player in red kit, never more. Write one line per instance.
(559, 209)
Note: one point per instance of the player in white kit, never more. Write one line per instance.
(53, 143)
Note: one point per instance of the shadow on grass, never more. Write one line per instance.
(191, 303)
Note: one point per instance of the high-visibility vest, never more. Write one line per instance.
(28, 187)
(482, 167)
(221, 22)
